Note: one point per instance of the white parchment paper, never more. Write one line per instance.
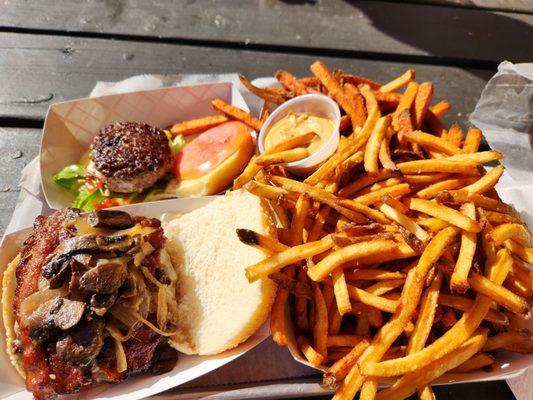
(504, 113)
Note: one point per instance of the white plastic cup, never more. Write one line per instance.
(318, 105)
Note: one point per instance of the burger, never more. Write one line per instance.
(130, 162)
(89, 299)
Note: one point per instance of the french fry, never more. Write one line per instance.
(341, 291)
(380, 303)
(338, 371)
(252, 238)
(499, 294)
(408, 384)
(464, 303)
(478, 361)
(318, 195)
(374, 197)
(386, 286)
(320, 329)
(514, 231)
(286, 156)
(314, 357)
(522, 252)
(400, 81)
(364, 181)
(479, 200)
(395, 203)
(487, 182)
(405, 221)
(435, 124)
(459, 279)
(504, 339)
(425, 318)
(472, 140)
(373, 145)
(455, 135)
(451, 216)
(369, 389)
(365, 249)
(334, 319)
(265, 94)
(278, 328)
(497, 218)
(421, 179)
(454, 183)
(197, 125)
(448, 319)
(438, 165)
(481, 157)
(421, 104)
(433, 224)
(344, 340)
(441, 108)
(452, 339)
(290, 256)
(431, 141)
(373, 274)
(236, 113)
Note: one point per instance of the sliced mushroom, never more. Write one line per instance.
(165, 358)
(85, 260)
(51, 316)
(40, 323)
(57, 279)
(110, 219)
(121, 242)
(82, 343)
(106, 277)
(69, 314)
(66, 250)
(100, 303)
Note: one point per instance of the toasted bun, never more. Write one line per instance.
(217, 179)
(218, 307)
(9, 284)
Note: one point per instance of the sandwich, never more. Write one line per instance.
(89, 299)
(130, 162)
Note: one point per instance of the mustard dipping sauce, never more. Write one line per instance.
(297, 124)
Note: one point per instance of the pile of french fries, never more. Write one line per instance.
(396, 258)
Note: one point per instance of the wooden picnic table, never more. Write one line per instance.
(52, 51)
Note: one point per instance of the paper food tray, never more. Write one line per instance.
(70, 126)
(188, 367)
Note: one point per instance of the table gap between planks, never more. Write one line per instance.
(53, 51)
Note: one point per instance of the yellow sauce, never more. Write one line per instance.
(296, 124)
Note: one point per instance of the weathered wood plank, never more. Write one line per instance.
(38, 70)
(17, 148)
(525, 6)
(375, 27)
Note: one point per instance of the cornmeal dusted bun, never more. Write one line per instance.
(218, 307)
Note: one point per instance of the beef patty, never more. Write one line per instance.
(130, 156)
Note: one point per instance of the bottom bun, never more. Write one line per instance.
(9, 284)
(218, 307)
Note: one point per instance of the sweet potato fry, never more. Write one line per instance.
(400, 81)
(265, 94)
(455, 135)
(459, 280)
(289, 82)
(197, 125)
(441, 108)
(432, 141)
(353, 95)
(236, 113)
(421, 104)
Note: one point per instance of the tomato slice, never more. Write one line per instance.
(209, 149)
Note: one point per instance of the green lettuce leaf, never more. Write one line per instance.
(87, 200)
(69, 176)
(177, 144)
